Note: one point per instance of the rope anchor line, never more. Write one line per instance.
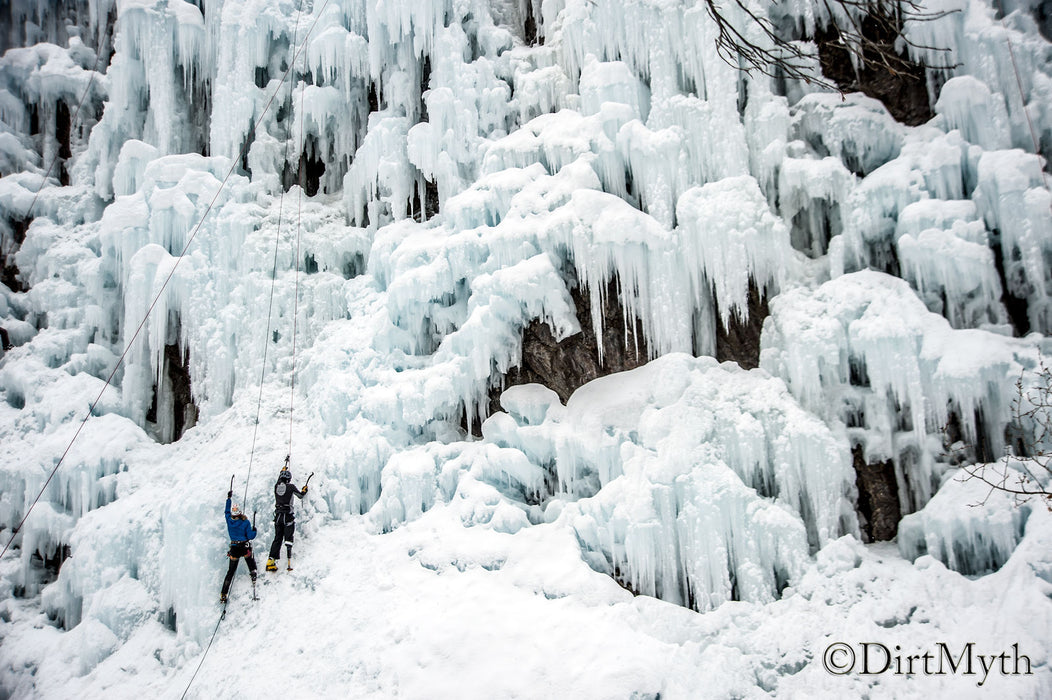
(201, 663)
(274, 271)
(270, 310)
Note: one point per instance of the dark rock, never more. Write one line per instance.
(567, 365)
(429, 207)
(180, 404)
(529, 29)
(308, 171)
(9, 273)
(183, 407)
(741, 341)
(1014, 286)
(878, 497)
(901, 86)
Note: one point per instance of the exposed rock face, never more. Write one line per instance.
(176, 400)
(564, 366)
(9, 273)
(878, 497)
(184, 410)
(741, 341)
(1012, 282)
(903, 91)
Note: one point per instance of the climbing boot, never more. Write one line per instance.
(271, 566)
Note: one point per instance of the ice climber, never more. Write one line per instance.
(284, 518)
(242, 532)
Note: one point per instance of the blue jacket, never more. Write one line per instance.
(240, 528)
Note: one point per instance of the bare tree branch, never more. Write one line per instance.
(776, 56)
(1029, 475)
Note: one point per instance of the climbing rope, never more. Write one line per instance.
(120, 361)
(201, 663)
(274, 271)
(296, 297)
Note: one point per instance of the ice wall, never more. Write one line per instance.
(863, 351)
(467, 177)
(674, 458)
(972, 540)
(688, 480)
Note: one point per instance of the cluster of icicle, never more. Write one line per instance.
(621, 148)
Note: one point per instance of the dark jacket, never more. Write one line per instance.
(283, 493)
(240, 528)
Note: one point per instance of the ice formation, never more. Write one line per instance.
(672, 495)
(862, 350)
(344, 217)
(954, 536)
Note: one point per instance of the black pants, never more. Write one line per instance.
(236, 552)
(284, 529)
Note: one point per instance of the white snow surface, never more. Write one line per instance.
(686, 529)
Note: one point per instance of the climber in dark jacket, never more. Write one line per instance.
(284, 518)
(241, 534)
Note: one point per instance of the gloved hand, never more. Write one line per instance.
(304, 489)
(230, 493)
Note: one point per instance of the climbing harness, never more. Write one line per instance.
(259, 400)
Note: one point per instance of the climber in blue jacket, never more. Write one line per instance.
(242, 532)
